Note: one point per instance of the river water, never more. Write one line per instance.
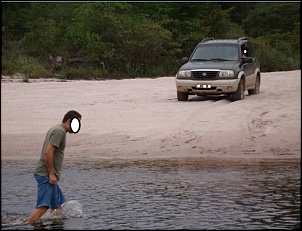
(165, 194)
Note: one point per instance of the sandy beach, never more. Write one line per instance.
(141, 118)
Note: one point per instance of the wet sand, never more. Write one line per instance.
(141, 118)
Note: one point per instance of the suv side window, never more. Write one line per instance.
(251, 49)
(244, 50)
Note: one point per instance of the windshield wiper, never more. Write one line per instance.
(220, 59)
(200, 60)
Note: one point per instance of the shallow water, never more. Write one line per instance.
(162, 194)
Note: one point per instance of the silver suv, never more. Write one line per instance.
(226, 66)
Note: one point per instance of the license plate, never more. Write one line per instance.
(203, 86)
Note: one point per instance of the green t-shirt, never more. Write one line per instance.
(55, 136)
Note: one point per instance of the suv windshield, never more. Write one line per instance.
(215, 52)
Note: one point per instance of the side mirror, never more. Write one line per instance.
(247, 60)
(184, 60)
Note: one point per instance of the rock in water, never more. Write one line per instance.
(72, 209)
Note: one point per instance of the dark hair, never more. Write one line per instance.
(71, 114)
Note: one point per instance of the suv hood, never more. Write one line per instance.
(222, 65)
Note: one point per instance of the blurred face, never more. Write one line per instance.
(74, 125)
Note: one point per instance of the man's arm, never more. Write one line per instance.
(49, 153)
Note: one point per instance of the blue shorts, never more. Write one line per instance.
(48, 195)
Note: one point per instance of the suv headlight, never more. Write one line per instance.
(226, 73)
(184, 74)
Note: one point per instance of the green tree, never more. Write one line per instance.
(271, 18)
(110, 33)
(141, 38)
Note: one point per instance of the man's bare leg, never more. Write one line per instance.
(36, 214)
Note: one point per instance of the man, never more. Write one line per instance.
(243, 54)
(243, 51)
(48, 169)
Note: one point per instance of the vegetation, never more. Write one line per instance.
(101, 40)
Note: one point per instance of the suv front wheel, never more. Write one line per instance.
(181, 96)
(239, 94)
(256, 90)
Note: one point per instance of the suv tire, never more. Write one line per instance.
(181, 96)
(256, 90)
(239, 94)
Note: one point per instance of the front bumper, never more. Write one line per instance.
(203, 87)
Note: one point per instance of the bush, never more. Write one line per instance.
(271, 59)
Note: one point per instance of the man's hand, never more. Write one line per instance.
(52, 179)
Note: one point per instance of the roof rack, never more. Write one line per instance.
(242, 38)
(207, 39)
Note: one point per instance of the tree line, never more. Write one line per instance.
(100, 40)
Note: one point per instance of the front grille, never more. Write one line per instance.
(204, 74)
